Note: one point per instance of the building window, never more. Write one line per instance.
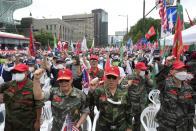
(50, 27)
(54, 27)
(46, 27)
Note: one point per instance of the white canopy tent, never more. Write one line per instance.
(188, 37)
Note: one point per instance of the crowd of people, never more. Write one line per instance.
(118, 86)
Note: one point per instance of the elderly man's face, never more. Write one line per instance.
(94, 63)
(65, 85)
(112, 81)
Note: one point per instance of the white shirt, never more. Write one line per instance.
(122, 72)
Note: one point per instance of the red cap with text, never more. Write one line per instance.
(64, 74)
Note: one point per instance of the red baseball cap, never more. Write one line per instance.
(94, 57)
(21, 67)
(178, 65)
(64, 74)
(113, 71)
(141, 65)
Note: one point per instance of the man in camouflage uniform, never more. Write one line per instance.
(112, 102)
(177, 105)
(66, 101)
(22, 110)
(94, 72)
(192, 70)
(137, 84)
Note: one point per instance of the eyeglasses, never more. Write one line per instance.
(93, 60)
(111, 77)
(60, 81)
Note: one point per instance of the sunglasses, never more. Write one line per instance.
(60, 81)
(111, 77)
(93, 60)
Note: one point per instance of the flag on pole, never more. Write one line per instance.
(121, 55)
(153, 77)
(31, 44)
(68, 125)
(49, 49)
(84, 44)
(178, 45)
(85, 79)
(92, 46)
(180, 12)
(191, 22)
(158, 40)
(151, 32)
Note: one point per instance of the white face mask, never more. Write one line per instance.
(18, 77)
(31, 69)
(181, 75)
(142, 73)
(60, 66)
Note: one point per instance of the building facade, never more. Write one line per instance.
(101, 27)
(94, 25)
(56, 25)
(83, 23)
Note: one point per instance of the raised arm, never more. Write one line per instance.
(37, 91)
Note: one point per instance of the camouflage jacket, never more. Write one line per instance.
(20, 105)
(111, 114)
(177, 104)
(138, 92)
(192, 70)
(98, 74)
(62, 105)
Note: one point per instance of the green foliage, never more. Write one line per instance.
(44, 37)
(136, 31)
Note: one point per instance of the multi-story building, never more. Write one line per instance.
(56, 25)
(83, 23)
(101, 27)
(94, 25)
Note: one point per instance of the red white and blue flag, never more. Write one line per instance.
(68, 125)
(163, 14)
(85, 79)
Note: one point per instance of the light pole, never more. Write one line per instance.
(127, 24)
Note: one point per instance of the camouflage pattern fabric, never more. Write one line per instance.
(93, 75)
(177, 107)
(138, 93)
(112, 116)
(20, 106)
(98, 74)
(63, 105)
(192, 70)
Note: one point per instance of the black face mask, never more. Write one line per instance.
(157, 59)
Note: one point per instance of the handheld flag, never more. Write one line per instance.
(191, 22)
(151, 32)
(31, 44)
(178, 45)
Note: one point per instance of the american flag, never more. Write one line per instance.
(68, 125)
(85, 79)
(162, 13)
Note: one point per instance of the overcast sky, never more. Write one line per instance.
(132, 8)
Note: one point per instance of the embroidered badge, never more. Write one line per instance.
(188, 96)
(12, 90)
(76, 111)
(57, 99)
(135, 81)
(104, 96)
(26, 93)
(173, 92)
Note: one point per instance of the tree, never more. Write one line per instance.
(44, 38)
(136, 31)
